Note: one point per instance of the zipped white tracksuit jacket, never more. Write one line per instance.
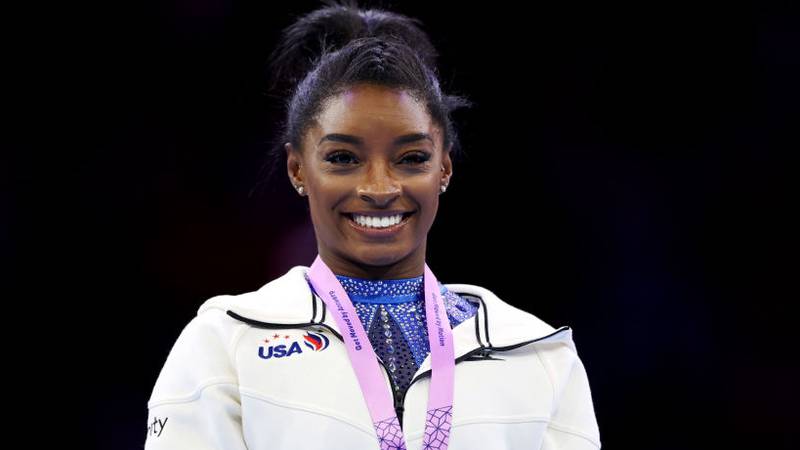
(519, 383)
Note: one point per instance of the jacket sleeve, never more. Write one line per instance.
(573, 425)
(195, 402)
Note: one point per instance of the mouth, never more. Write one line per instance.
(379, 231)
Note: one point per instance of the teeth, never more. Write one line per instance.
(377, 222)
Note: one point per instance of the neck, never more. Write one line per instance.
(376, 273)
(406, 268)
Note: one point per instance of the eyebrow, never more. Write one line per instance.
(357, 141)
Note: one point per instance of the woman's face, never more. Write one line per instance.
(374, 151)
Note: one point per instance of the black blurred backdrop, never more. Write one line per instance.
(628, 174)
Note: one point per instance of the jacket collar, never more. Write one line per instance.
(288, 301)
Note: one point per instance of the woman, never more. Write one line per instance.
(354, 350)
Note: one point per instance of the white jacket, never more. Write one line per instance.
(519, 383)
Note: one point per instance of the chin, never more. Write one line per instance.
(379, 260)
(378, 257)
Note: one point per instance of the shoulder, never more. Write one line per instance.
(507, 325)
(201, 356)
(203, 353)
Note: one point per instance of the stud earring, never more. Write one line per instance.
(442, 188)
(300, 190)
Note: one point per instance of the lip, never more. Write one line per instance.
(380, 232)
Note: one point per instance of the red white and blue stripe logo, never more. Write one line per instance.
(280, 348)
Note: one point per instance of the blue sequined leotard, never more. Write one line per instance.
(393, 315)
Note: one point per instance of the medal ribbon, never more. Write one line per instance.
(380, 401)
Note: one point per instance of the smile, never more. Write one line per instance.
(379, 231)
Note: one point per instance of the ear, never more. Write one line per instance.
(447, 166)
(294, 165)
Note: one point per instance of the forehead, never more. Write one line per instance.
(375, 113)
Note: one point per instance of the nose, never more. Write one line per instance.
(379, 187)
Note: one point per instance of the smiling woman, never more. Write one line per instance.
(365, 348)
(373, 166)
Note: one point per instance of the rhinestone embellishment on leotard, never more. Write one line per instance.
(393, 315)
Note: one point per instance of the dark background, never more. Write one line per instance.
(627, 174)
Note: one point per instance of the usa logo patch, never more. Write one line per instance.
(314, 342)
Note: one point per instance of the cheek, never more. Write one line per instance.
(319, 209)
(325, 205)
(427, 198)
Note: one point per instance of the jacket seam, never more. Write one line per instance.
(239, 329)
(244, 392)
(550, 377)
(303, 407)
(568, 430)
(234, 354)
(500, 419)
(194, 395)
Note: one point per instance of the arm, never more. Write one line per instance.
(195, 403)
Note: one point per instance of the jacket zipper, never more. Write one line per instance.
(398, 401)
(483, 351)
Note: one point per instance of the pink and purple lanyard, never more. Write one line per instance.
(380, 401)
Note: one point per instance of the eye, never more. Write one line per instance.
(337, 157)
(417, 157)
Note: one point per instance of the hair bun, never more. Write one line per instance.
(331, 28)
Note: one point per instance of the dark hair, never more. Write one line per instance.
(332, 48)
